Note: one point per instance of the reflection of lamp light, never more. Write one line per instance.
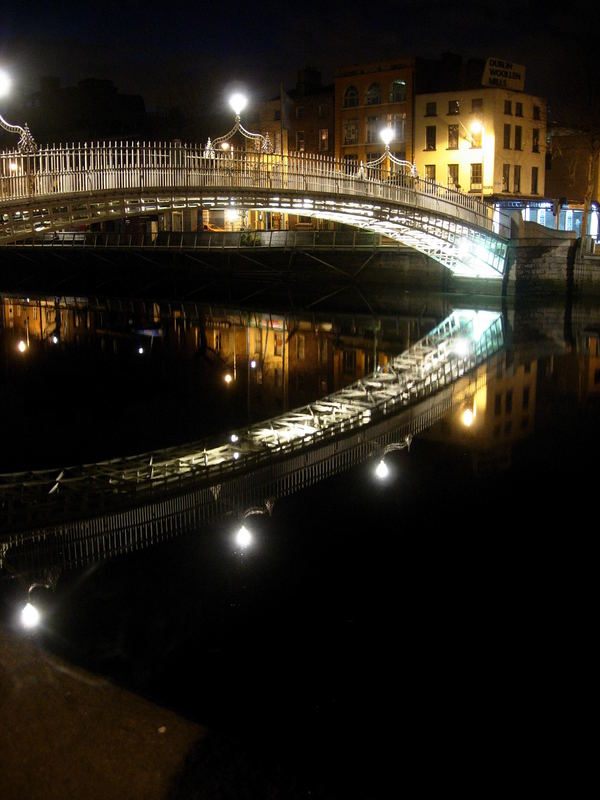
(467, 417)
(382, 470)
(228, 378)
(243, 536)
(5, 83)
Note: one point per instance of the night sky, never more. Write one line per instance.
(190, 54)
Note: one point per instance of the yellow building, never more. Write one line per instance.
(368, 98)
(488, 141)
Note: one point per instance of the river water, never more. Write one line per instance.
(376, 637)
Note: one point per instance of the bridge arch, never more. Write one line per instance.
(78, 185)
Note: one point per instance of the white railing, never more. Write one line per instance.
(152, 168)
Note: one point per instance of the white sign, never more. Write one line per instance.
(504, 74)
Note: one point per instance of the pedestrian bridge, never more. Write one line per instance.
(80, 513)
(70, 187)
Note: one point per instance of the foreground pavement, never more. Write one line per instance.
(65, 733)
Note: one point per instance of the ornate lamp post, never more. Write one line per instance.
(26, 145)
(238, 103)
(382, 470)
(387, 135)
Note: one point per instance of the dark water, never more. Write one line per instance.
(377, 638)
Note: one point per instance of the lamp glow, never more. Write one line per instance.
(238, 102)
(387, 134)
(30, 616)
(21, 347)
(243, 537)
(467, 418)
(476, 126)
(5, 83)
(382, 471)
(228, 378)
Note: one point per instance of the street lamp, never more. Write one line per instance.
(238, 103)
(30, 614)
(387, 135)
(26, 145)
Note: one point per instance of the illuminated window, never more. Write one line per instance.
(476, 177)
(430, 137)
(351, 97)
(278, 350)
(324, 139)
(453, 176)
(350, 131)
(373, 95)
(476, 138)
(452, 137)
(398, 91)
(430, 172)
(518, 137)
(453, 107)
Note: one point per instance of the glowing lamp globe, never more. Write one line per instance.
(387, 134)
(4, 83)
(30, 616)
(238, 103)
(243, 538)
(382, 471)
(476, 127)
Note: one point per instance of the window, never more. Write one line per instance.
(300, 141)
(299, 112)
(431, 109)
(373, 95)
(324, 139)
(430, 137)
(398, 91)
(277, 114)
(349, 361)
(534, 180)
(517, 179)
(430, 172)
(323, 109)
(508, 106)
(507, 137)
(508, 402)
(350, 164)
(525, 398)
(477, 104)
(518, 137)
(536, 112)
(322, 350)
(476, 177)
(476, 138)
(453, 176)
(300, 346)
(535, 142)
(452, 137)
(278, 351)
(373, 128)
(397, 123)
(498, 405)
(506, 177)
(351, 97)
(350, 131)
(518, 109)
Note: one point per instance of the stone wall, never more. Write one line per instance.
(540, 260)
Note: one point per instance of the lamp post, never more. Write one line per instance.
(30, 615)
(387, 136)
(26, 145)
(243, 536)
(238, 103)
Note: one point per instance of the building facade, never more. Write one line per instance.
(369, 98)
(488, 141)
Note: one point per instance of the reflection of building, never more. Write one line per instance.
(494, 410)
(486, 140)
(368, 98)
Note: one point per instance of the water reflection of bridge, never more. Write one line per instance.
(76, 514)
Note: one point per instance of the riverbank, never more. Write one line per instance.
(67, 733)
